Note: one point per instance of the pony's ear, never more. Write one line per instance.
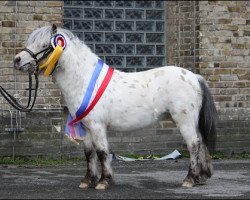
(54, 29)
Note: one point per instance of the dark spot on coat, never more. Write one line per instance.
(184, 111)
(182, 78)
(132, 86)
(183, 71)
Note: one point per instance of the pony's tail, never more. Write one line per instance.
(207, 117)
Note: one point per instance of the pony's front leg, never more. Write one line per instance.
(91, 177)
(102, 150)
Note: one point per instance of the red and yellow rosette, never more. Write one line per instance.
(51, 62)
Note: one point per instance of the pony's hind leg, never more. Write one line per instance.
(200, 167)
(91, 177)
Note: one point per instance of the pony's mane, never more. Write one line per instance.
(42, 35)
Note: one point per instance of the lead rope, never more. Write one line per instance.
(12, 101)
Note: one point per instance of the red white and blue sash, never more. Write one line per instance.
(75, 129)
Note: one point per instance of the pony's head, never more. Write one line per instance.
(43, 49)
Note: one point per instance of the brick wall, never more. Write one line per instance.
(224, 57)
(40, 136)
(18, 20)
(181, 30)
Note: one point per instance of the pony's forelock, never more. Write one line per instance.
(40, 35)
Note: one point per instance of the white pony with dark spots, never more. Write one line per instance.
(131, 101)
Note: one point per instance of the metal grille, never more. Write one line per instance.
(129, 35)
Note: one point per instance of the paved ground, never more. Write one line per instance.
(134, 180)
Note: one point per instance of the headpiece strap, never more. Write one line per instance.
(54, 29)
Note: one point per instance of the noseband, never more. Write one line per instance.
(45, 52)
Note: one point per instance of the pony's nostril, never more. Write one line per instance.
(17, 60)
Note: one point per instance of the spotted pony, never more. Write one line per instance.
(131, 101)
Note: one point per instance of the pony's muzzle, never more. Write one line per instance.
(29, 66)
(17, 62)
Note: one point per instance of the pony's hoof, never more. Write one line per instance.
(84, 185)
(102, 186)
(88, 182)
(187, 184)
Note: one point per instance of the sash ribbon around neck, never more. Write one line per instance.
(74, 129)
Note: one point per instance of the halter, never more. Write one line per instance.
(46, 52)
(58, 43)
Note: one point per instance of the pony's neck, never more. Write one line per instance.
(73, 74)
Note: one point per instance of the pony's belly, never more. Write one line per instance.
(131, 123)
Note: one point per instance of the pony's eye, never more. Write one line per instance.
(45, 45)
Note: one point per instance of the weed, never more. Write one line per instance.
(218, 155)
(242, 155)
